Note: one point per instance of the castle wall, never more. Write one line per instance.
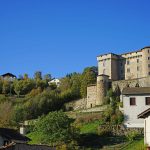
(142, 82)
(76, 104)
(146, 62)
(108, 65)
(126, 66)
(91, 96)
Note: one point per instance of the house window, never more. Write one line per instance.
(128, 69)
(132, 101)
(137, 60)
(147, 100)
(128, 62)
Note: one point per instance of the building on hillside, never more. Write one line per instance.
(126, 66)
(8, 136)
(8, 76)
(135, 100)
(56, 81)
(146, 116)
(119, 71)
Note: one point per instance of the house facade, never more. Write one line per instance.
(56, 81)
(146, 116)
(135, 100)
(8, 76)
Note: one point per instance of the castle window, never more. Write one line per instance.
(132, 101)
(137, 68)
(128, 69)
(104, 63)
(148, 50)
(128, 62)
(149, 73)
(148, 58)
(137, 60)
(148, 65)
(147, 100)
(104, 71)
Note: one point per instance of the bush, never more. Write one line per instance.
(54, 129)
(131, 135)
(104, 131)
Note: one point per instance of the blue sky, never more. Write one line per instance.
(64, 36)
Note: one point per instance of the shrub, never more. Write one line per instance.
(131, 135)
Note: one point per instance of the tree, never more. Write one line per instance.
(6, 110)
(89, 76)
(38, 75)
(1, 86)
(76, 84)
(65, 84)
(25, 76)
(23, 86)
(54, 129)
(6, 87)
(47, 77)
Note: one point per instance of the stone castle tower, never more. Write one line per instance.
(101, 88)
(130, 69)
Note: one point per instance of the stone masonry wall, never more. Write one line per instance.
(76, 104)
(91, 96)
(141, 82)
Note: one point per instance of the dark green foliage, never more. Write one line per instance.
(23, 87)
(47, 77)
(54, 129)
(88, 77)
(113, 115)
(38, 75)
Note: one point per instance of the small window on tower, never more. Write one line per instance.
(128, 70)
(104, 71)
(128, 62)
(103, 63)
(137, 60)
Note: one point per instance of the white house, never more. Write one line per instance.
(56, 81)
(146, 116)
(135, 100)
(8, 76)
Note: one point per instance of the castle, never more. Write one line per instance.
(119, 71)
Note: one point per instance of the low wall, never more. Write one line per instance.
(76, 104)
(141, 82)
